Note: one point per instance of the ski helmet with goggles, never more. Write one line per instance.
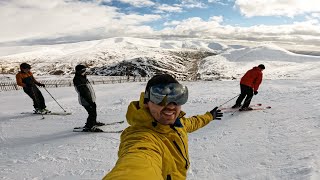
(164, 89)
(80, 68)
(25, 66)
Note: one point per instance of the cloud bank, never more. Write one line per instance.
(60, 21)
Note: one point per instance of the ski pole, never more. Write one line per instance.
(54, 99)
(228, 100)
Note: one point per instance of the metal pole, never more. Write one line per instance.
(54, 99)
(229, 100)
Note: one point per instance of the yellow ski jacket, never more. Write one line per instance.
(152, 151)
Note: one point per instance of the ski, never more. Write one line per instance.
(112, 123)
(254, 108)
(97, 131)
(257, 108)
(51, 113)
(107, 124)
(230, 108)
(107, 128)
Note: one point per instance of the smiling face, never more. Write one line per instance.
(164, 114)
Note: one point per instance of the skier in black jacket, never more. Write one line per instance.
(87, 97)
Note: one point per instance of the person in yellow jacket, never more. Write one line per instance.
(155, 145)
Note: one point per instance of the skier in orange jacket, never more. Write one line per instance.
(26, 80)
(249, 85)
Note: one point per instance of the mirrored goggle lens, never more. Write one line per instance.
(165, 94)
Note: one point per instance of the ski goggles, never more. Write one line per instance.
(83, 70)
(164, 94)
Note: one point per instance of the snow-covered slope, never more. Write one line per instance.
(279, 143)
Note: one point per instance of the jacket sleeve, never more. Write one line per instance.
(257, 82)
(196, 122)
(19, 80)
(140, 159)
(34, 80)
(83, 90)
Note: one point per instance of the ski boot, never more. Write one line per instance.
(37, 111)
(45, 111)
(245, 109)
(99, 123)
(236, 106)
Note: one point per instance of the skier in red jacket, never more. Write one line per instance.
(249, 85)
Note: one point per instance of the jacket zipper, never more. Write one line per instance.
(179, 149)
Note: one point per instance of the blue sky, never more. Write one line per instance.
(58, 21)
(226, 9)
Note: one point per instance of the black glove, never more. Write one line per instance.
(255, 92)
(41, 85)
(216, 113)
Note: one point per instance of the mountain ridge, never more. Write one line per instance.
(186, 59)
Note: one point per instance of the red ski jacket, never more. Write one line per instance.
(252, 78)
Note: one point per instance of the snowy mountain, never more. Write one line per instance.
(186, 59)
(114, 56)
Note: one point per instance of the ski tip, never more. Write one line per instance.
(268, 107)
(259, 104)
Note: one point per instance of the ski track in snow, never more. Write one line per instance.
(278, 143)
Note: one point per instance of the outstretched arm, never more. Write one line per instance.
(196, 122)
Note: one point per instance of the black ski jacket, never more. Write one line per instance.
(86, 95)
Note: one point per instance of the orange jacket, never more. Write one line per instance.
(25, 79)
(252, 78)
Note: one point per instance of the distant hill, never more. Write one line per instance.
(185, 59)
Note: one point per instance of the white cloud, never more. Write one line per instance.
(172, 23)
(288, 8)
(193, 4)
(192, 27)
(41, 19)
(138, 3)
(68, 21)
(298, 32)
(167, 8)
(316, 15)
(135, 19)
(217, 2)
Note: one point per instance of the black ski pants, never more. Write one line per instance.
(35, 94)
(92, 118)
(246, 92)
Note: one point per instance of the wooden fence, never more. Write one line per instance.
(12, 85)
